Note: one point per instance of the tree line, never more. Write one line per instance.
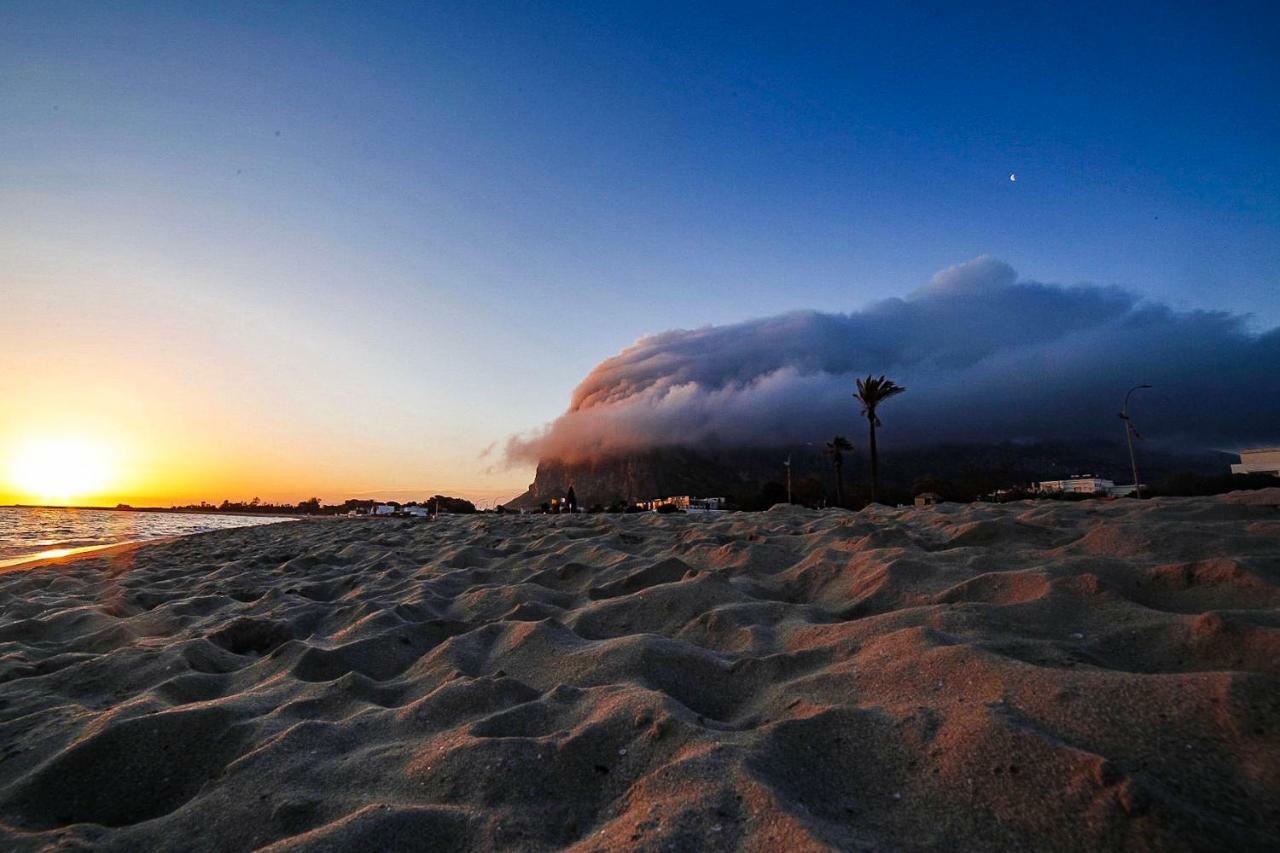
(315, 506)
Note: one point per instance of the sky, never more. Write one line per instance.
(351, 249)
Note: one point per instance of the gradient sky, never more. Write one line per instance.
(294, 248)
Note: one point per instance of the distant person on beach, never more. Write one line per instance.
(571, 499)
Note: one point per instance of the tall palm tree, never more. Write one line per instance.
(872, 392)
(836, 449)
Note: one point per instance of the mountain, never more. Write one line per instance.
(753, 476)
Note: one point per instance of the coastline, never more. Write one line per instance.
(166, 510)
(56, 553)
(64, 556)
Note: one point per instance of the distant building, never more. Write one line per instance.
(384, 509)
(1261, 460)
(928, 499)
(1080, 484)
(687, 503)
(1011, 493)
(417, 511)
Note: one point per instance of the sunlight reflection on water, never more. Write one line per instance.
(38, 533)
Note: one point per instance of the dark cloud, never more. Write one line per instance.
(983, 356)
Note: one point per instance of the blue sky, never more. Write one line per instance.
(476, 203)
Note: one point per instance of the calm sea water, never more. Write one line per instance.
(25, 533)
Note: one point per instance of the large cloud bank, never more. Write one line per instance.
(984, 357)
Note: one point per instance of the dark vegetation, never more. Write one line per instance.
(755, 478)
(836, 449)
(1191, 484)
(871, 393)
(314, 506)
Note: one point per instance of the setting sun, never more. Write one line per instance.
(61, 469)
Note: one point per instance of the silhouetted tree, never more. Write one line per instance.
(1188, 483)
(444, 503)
(771, 493)
(872, 392)
(836, 449)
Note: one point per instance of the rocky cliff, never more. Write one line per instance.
(754, 474)
(654, 473)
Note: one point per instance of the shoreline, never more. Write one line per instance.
(166, 510)
(86, 552)
(62, 555)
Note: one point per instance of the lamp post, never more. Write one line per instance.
(1128, 435)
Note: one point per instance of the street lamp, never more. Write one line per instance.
(1128, 435)
(787, 464)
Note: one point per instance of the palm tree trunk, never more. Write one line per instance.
(875, 462)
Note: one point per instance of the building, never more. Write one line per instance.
(928, 499)
(417, 511)
(688, 503)
(384, 509)
(1079, 484)
(1260, 460)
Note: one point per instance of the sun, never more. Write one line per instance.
(60, 469)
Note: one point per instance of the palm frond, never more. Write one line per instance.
(872, 391)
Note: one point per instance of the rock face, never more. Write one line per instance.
(739, 473)
(655, 473)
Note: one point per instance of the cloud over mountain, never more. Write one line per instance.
(984, 357)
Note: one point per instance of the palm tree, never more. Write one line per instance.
(836, 449)
(872, 392)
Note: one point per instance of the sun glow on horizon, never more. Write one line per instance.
(61, 469)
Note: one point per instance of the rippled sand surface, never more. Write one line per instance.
(1034, 676)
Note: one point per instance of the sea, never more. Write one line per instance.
(28, 533)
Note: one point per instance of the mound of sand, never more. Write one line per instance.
(1028, 676)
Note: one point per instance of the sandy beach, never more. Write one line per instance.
(1049, 676)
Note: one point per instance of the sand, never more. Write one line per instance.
(1044, 676)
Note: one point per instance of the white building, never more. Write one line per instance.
(687, 503)
(384, 509)
(1080, 484)
(1260, 460)
(417, 511)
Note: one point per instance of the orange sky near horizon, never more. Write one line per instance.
(103, 466)
(126, 383)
